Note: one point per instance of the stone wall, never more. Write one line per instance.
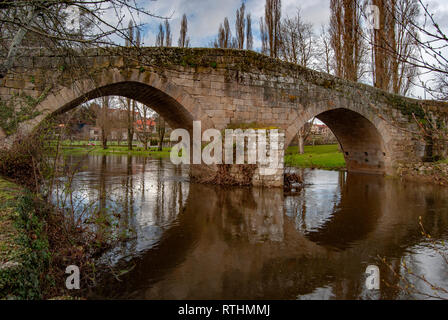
(432, 172)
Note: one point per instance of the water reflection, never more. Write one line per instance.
(206, 242)
(337, 209)
(141, 197)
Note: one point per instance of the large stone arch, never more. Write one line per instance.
(175, 105)
(363, 135)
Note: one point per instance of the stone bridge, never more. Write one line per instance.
(221, 87)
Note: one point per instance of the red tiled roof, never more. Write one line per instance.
(149, 122)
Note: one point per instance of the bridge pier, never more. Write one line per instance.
(258, 175)
(236, 175)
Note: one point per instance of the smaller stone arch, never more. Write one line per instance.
(363, 140)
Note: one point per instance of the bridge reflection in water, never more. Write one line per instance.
(191, 241)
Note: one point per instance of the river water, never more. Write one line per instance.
(192, 241)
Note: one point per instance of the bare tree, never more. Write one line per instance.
(133, 33)
(430, 57)
(249, 36)
(272, 23)
(61, 26)
(441, 89)
(393, 43)
(403, 74)
(161, 128)
(336, 30)
(144, 125)
(119, 121)
(227, 34)
(297, 44)
(130, 108)
(240, 26)
(224, 39)
(324, 51)
(431, 45)
(264, 37)
(346, 38)
(303, 134)
(103, 119)
(160, 40)
(164, 37)
(381, 36)
(168, 36)
(219, 41)
(184, 41)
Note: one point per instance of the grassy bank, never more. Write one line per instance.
(37, 243)
(323, 157)
(24, 247)
(10, 250)
(116, 150)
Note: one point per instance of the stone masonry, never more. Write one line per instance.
(222, 87)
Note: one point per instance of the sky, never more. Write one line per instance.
(205, 16)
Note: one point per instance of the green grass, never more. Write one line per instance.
(443, 161)
(116, 150)
(86, 142)
(323, 157)
(9, 248)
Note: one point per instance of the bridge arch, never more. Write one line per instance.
(175, 105)
(363, 137)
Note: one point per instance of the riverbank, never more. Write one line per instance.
(319, 157)
(116, 150)
(24, 247)
(428, 172)
(37, 243)
(10, 250)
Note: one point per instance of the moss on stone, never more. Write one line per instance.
(18, 109)
(250, 125)
(406, 106)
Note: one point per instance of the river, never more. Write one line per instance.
(192, 241)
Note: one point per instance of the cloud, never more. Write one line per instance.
(205, 16)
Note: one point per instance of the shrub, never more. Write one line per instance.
(21, 162)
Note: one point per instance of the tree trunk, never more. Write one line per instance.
(130, 123)
(129, 139)
(301, 144)
(161, 142)
(104, 139)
